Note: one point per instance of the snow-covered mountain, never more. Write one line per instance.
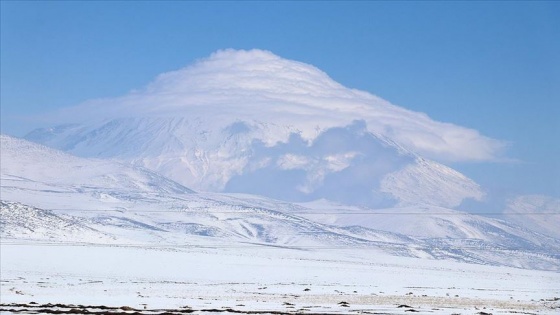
(26, 161)
(52, 196)
(234, 158)
(253, 133)
(47, 190)
(252, 122)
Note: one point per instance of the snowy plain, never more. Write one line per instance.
(250, 278)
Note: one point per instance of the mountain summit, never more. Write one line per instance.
(250, 121)
(258, 85)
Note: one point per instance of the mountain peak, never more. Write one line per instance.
(240, 72)
(259, 86)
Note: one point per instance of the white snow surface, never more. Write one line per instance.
(133, 206)
(424, 181)
(204, 155)
(240, 121)
(97, 232)
(537, 212)
(247, 278)
(36, 164)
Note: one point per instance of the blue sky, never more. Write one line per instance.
(493, 67)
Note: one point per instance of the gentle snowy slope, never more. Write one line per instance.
(252, 122)
(540, 213)
(142, 208)
(21, 222)
(134, 205)
(481, 238)
(38, 165)
(426, 222)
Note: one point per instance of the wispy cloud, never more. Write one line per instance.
(258, 85)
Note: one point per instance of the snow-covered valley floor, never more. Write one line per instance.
(239, 277)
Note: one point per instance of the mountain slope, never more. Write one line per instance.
(24, 161)
(253, 122)
(429, 222)
(21, 222)
(236, 158)
(132, 205)
(540, 213)
(483, 239)
(45, 200)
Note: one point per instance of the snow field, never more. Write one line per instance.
(261, 278)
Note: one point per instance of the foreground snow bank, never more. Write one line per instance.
(246, 277)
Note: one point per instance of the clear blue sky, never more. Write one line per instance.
(494, 67)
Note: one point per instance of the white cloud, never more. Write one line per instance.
(260, 86)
